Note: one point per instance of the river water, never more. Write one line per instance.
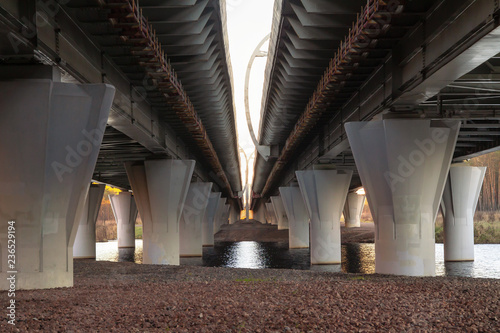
(356, 258)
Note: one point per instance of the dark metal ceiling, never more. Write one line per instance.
(322, 56)
(306, 36)
(192, 36)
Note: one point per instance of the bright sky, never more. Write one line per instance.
(248, 22)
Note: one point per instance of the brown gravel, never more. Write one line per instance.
(126, 297)
(251, 231)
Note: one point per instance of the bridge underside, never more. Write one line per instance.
(169, 63)
(330, 63)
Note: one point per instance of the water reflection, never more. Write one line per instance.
(356, 258)
(126, 254)
(247, 255)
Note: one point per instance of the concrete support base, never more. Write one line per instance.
(403, 165)
(298, 219)
(234, 214)
(280, 211)
(160, 188)
(192, 218)
(208, 220)
(324, 193)
(271, 215)
(50, 134)
(259, 214)
(125, 211)
(219, 215)
(460, 197)
(353, 209)
(225, 214)
(84, 246)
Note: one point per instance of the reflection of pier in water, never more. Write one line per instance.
(356, 258)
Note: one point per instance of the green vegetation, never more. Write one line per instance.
(138, 232)
(486, 228)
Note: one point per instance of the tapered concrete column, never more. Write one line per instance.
(324, 192)
(50, 135)
(192, 218)
(219, 215)
(225, 215)
(208, 220)
(280, 212)
(353, 209)
(259, 214)
(271, 216)
(460, 197)
(160, 188)
(125, 211)
(84, 246)
(403, 165)
(298, 219)
(235, 214)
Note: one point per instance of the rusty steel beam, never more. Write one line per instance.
(356, 42)
(135, 29)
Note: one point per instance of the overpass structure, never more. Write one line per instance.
(391, 91)
(135, 94)
(383, 94)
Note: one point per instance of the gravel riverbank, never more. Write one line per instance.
(126, 297)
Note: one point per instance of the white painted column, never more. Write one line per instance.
(192, 218)
(260, 213)
(271, 215)
(324, 191)
(125, 211)
(353, 209)
(208, 220)
(160, 188)
(403, 165)
(225, 215)
(235, 214)
(84, 246)
(219, 215)
(50, 135)
(460, 197)
(298, 219)
(280, 211)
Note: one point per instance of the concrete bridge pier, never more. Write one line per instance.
(280, 211)
(460, 197)
(259, 214)
(271, 215)
(234, 214)
(226, 213)
(125, 211)
(324, 191)
(403, 165)
(85, 239)
(353, 209)
(160, 188)
(192, 218)
(50, 135)
(208, 220)
(219, 215)
(298, 219)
